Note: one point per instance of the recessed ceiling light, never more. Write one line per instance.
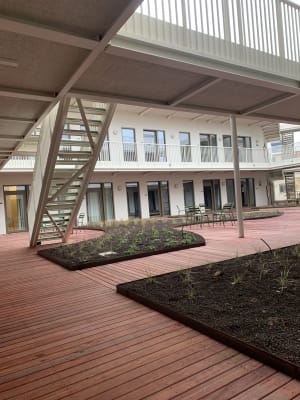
(8, 62)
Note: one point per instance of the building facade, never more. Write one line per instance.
(154, 163)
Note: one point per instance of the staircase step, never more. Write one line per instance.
(88, 110)
(78, 153)
(79, 121)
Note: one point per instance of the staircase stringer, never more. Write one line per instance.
(90, 168)
(54, 146)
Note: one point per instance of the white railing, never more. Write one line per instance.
(263, 34)
(140, 155)
(153, 156)
(21, 163)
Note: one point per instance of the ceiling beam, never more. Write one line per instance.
(145, 111)
(6, 138)
(268, 103)
(149, 103)
(46, 33)
(26, 95)
(171, 115)
(277, 118)
(201, 87)
(18, 120)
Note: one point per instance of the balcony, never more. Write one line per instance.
(156, 157)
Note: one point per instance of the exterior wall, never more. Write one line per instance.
(174, 175)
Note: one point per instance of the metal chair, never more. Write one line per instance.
(223, 215)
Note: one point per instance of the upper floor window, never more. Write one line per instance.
(154, 145)
(129, 145)
(208, 144)
(185, 146)
(244, 145)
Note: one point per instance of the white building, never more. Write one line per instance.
(154, 163)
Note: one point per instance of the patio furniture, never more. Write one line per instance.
(196, 215)
(180, 210)
(223, 215)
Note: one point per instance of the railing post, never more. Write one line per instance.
(240, 22)
(280, 35)
(226, 22)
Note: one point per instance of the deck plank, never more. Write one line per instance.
(68, 335)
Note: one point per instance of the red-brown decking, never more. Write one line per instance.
(68, 335)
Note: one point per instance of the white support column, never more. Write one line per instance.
(237, 179)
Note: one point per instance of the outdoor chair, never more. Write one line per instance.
(223, 215)
(180, 210)
(202, 215)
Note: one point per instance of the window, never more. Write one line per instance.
(208, 145)
(281, 187)
(154, 145)
(129, 145)
(244, 145)
(185, 147)
(100, 205)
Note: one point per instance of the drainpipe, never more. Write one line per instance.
(237, 178)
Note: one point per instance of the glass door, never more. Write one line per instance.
(15, 198)
(188, 193)
(133, 199)
(212, 194)
(158, 198)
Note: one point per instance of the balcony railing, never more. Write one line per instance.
(128, 156)
(263, 34)
(153, 156)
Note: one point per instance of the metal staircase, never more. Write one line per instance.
(71, 139)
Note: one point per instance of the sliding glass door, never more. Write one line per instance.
(100, 205)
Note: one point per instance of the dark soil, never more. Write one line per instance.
(123, 242)
(255, 299)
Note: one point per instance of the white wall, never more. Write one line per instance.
(172, 127)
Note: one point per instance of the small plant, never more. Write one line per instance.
(151, 247)
(191, 292)
(284, 279)
(155, 234)
(186, 275)
(132, 249)
(296, 251)
(237, 279)
(263, 270)
(187, 237)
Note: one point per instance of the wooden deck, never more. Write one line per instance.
(68, 335)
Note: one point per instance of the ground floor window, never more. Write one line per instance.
(247, 192)
(212, 194)
(15, 200)
(133, 199)
(188, 193)
(100, 205)
(158, 198)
